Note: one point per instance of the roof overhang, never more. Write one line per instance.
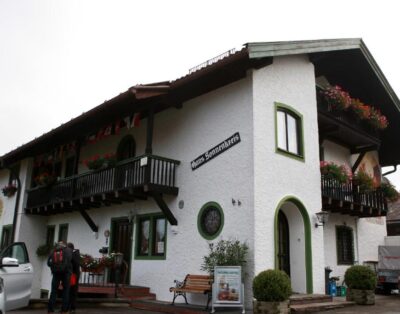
(346, 62)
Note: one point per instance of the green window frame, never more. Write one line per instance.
(151, 237)
(344, 245)
(63, 233)
(6, 235)
(210, 220)
(289, 135)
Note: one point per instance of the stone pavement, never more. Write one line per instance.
(383, 305)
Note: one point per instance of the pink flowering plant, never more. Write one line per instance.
(330, 170)
(340, 100)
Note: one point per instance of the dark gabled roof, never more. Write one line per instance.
(344, 60)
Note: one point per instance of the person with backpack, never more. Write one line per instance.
(76, 271)
(60, 263)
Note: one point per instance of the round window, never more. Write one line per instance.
(210, 220)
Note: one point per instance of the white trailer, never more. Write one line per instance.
(389, 264)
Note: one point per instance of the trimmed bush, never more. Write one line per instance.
(360, 277)
(272, 286)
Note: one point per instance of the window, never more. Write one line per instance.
(18, 251)
(126, 148)
(63, 233)
(6, 236)
(210, 220)
(151, 237)
(69, 167)
(344, 245)
(50, 233)
(289, 137)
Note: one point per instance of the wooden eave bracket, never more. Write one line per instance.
(358, 161)
(165, 209)
(89, 220)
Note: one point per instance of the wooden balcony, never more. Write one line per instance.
(138, 177)
(347, 199)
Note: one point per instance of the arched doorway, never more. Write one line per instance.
(293, 239)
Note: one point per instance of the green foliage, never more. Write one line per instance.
(272, 286)
(360, 277)
(44, 249)
(364, 181)
(389, 191)
(225, 253)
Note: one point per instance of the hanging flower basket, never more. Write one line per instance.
(9, 190)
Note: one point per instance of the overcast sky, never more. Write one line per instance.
(61, 58)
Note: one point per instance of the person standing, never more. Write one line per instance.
(73, 291)
(60, 263)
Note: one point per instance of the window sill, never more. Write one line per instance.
(289, 154)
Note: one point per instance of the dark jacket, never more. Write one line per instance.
(76, 258)
(67, 254)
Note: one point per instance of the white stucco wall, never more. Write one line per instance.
(337, 153)
(289, 80)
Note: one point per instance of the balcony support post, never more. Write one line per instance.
(165, 209)
(88, 220)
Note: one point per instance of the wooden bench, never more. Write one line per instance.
(201, 284)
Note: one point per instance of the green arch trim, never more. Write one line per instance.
(307, 238)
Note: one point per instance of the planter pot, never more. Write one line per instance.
(261, 307)
(362, 297)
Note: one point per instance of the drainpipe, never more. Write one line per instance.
(16, 176)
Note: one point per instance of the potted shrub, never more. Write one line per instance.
(271, 291)
(361, 283)
(225, 253)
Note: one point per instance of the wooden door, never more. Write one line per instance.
(121, 242)
(283, 243)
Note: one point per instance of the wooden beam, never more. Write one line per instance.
(165, 209)
(88, 220)
(358, 161)
(149, 134)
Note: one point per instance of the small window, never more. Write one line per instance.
(69, 167)
(126, 148)
(210, 220)
(344, 245)
(63, 233)
(50, 233)
(6, 236)
(289, 137)
(151, 237)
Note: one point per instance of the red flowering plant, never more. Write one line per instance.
(330, 170)
(340, 100)
(9, 190)
(45, 178)
(97, 162)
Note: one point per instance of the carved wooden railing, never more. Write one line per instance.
(144, 171)
(351, 193)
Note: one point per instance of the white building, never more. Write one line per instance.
(240, 139)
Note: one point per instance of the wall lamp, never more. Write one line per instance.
(322, 218)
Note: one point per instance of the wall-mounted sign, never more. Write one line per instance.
(215, 151)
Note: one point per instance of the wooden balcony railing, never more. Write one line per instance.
(145, 173)
(348, 199)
